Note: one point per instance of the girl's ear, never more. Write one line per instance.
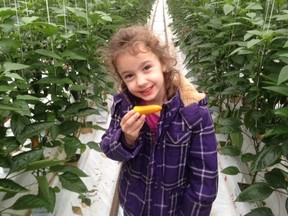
(164, 67)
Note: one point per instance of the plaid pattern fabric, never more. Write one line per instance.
(178, 174)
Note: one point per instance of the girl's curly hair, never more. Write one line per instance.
(126, 39)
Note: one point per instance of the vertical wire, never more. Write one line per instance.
(86, 8)
(271, 13)
(65, 21)
(26, 8)
(50, 38)
(264, 46)
(18, 26)
(47, 10)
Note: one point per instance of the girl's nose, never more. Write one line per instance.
(141, 80)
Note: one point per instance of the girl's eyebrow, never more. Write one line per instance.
(141, 65)
(145, 62)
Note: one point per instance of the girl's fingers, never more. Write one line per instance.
(132, 123)
(130, 118)
(129, 115)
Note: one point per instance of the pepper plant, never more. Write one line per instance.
(51, 77)
(237, 51)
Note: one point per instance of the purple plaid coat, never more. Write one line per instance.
(178, 174)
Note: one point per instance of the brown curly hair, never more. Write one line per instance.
(125, 39)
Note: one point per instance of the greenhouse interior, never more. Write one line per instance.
(56, 97)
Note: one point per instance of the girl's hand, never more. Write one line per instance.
(131, 125)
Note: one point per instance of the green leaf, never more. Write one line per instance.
(29, 202)
(60, 81)
(230, 125)
(231, 170)
(43, 188)
(97, 127)
(237, 139)
(21, 161)
(48, 53)
(27, 20)
(18, 123)
(285, 148)
(248, 157)
(7, 11)
(281, 17)
(232, 24)
(95, 146)
(266, 158)
(74, 108)
(74, 55)
(67, 168)
(54, 131)
(276, 178)
(35, 128)
(248, 35)
(19, 106)
(283, 75)
(27, 97)
(8, 145)
(232, 90)
(72, 182)
(99, 16)
(230, 150)
(23, 107)
(78, 88)
(255, 192)
(7, 185)
(5, 88)
(71, 145)
(8, 195)
(13, 75)
(52, 201)
(279, 89)
(277, 130)
(261, 211)
(45, 27)
(67, 36)
(69, 127)
(9, 66)
(254, 6)
(228, 8)
(283, 54)
(281, 112)
(87, 112)
(253, 42)
(41, 164)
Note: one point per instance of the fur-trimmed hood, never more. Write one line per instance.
(188, 92)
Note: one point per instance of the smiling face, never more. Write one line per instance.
(142, 73)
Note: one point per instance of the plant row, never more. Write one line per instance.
(238, 53)
(51, 77)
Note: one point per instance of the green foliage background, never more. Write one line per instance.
(237, 51)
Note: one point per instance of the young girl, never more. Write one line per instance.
(169, 157)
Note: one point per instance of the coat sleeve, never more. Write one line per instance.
(112, 142)
(203, 168)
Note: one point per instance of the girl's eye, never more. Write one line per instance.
(147, 67)
(128, 76)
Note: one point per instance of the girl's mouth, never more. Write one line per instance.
(147, 91)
